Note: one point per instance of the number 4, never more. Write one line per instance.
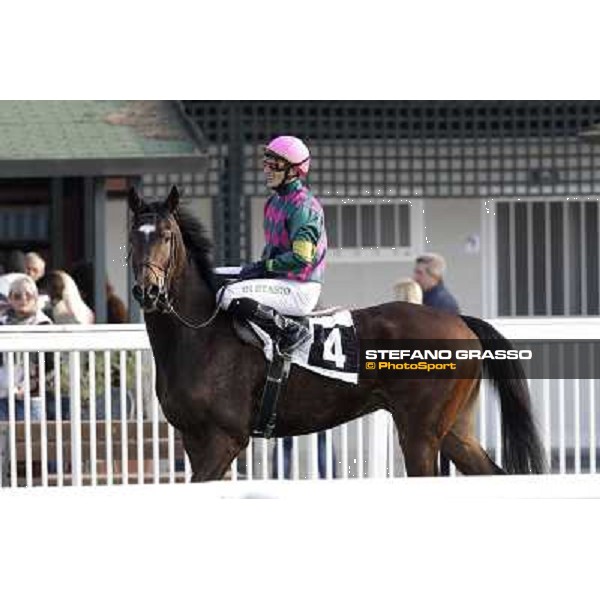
(332, 349)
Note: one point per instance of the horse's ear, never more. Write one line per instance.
(134, 201)
(172, 201)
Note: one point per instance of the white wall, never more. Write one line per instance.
(357, 285)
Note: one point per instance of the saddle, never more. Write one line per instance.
(248, 335)
(277, 373)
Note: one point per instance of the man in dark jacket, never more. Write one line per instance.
(428, 273)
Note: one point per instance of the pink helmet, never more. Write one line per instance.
(293, 150)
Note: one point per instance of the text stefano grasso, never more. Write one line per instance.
(498, 354)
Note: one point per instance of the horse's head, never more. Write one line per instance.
(156, 249)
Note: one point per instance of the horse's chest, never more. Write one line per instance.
(188, 383)
(175, 406)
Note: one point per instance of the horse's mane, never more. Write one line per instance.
(197, 244)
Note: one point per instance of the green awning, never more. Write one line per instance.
(96, 138)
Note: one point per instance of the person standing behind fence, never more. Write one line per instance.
(428, 273)
(24, 310)
(35, 266)
(408, 290)
(66, 304)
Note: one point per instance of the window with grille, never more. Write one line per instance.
(24, 223)
(370, 228)
(548, 257)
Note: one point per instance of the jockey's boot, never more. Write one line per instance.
(287, 333)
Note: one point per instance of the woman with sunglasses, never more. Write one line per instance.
(287, 279)
(23, 304)
(23, 300)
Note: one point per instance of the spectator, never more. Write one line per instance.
(23, 300)
(24, 310)
(428, 273)
(66, 305)
(408, 290)
(35, 266)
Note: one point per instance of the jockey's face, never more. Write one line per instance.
(274, 170)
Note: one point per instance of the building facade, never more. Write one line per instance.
(504, 190)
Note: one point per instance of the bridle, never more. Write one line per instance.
(163, 300)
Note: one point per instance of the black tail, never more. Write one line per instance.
(522, 450)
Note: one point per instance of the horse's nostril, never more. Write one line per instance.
(152, 292)
(137, 292)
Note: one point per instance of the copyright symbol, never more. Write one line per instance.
(370, 365)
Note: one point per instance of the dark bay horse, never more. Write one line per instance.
(209, 382)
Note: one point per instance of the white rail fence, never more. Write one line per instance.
(77, 407)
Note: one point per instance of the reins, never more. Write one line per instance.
(170, 308)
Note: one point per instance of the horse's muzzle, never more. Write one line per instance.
(147, 297)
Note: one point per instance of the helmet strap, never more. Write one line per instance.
(286, 178)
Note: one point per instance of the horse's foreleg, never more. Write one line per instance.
(210, 451)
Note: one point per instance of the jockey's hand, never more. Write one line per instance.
(254, 270)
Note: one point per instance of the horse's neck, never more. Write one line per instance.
(192, 297)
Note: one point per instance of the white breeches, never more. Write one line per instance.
(293, 298)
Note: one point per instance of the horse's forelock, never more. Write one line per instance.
(150, 213)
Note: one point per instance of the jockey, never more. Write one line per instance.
(287, 280)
